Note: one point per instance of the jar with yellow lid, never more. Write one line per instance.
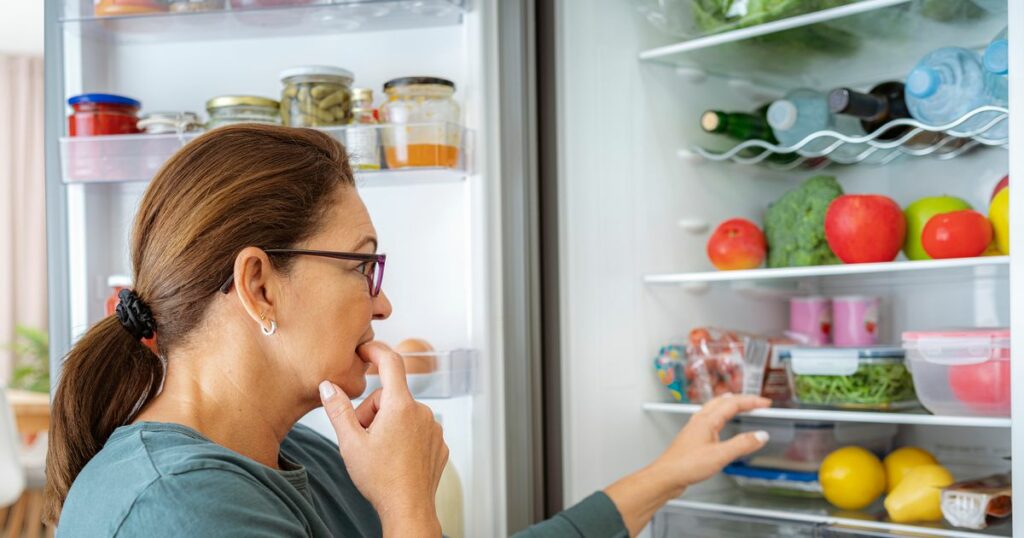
(362, 138)
(316, 96)
(423, 120)
(232, 109)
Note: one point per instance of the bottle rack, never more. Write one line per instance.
(955, 141)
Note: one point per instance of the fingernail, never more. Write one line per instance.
(327, 391)
(761, 436)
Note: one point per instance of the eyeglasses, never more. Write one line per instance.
(372, 266)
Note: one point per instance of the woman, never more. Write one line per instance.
(254, 265)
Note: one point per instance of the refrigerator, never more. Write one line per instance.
(567, 245)
(641, 188)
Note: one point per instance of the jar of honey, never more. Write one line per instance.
(423, 120)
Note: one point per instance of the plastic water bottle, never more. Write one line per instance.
(804, 112)
(945, 85)
(996, 62)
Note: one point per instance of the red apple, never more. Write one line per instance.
(865, 228)
(958, 234)
(1005, 182)
(736, 244)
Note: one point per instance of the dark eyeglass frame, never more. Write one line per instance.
(373, 282)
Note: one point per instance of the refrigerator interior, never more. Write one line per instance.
(637, 205)
(438, 227)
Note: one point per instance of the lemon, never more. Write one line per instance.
(851, 478)
(999, 214)
(899, 462)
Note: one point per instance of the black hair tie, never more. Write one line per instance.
(134, 315)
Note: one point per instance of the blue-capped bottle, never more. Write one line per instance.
(996, 61)
(944, 86)
(803, 112)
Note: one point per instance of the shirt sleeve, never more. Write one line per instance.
(593, 517)
(212, 503)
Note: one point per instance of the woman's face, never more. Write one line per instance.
(328, 311)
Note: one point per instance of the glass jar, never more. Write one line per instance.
(113, 8)
(432, 134)
(362, 139)
(182, 6)
(316, 96)
(170, 122)
(233, 109)
(102, 114)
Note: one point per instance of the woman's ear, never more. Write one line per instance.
(256, 284)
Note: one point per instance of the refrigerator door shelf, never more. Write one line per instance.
(137, 158)
(244, 19)
(452, 377)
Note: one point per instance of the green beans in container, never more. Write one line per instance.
(316, 96)
(869, 378)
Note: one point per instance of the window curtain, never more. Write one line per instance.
(23, 295)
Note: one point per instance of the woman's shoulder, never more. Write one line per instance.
(167, 476)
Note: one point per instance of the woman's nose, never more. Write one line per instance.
(381, 306)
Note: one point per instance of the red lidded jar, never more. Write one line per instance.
(103, 114)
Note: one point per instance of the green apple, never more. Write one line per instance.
(918, 214)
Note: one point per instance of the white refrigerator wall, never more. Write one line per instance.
(624, 193)
(443, 273)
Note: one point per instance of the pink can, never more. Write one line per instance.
(810, 320)
(855, 321)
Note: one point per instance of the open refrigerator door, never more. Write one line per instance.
(430, 177)
(677, 118)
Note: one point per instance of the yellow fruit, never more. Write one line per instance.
(899, 462)
(919, 495)
(999, 214)
(993, 249)
(851, 478)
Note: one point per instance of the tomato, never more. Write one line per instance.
(983, 387)
(737, 244)
(958, 234)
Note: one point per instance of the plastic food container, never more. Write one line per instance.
(103, 114)
(316, 96)
(112, 8)
(233, 109)
(774, 481)
(870, 378)
(693, 18)
(961, 372)
(424, 120)
(802, 446)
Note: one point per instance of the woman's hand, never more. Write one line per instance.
(393, 448)
(695, 454)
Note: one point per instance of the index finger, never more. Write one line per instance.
(724, 408)
(390, 366)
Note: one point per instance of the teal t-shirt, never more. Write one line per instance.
(156, 479)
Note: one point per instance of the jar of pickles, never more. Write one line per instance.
(424, 120)
(170, 122)
(189, 6)
(362, 138)
(232, 109)
(316, 96)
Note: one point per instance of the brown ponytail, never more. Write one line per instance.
(237, 186)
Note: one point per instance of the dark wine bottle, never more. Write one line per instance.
(738, 125)
(884, 103)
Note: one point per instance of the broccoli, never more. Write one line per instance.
(794, 225)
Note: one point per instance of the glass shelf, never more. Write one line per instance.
(982, 127)
(848, 45)
(733, 501)
(828, 415)
(136, 158)
(288, 18)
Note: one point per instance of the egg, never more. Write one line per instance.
(418, 356)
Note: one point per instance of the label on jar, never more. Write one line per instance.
(363, 146)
